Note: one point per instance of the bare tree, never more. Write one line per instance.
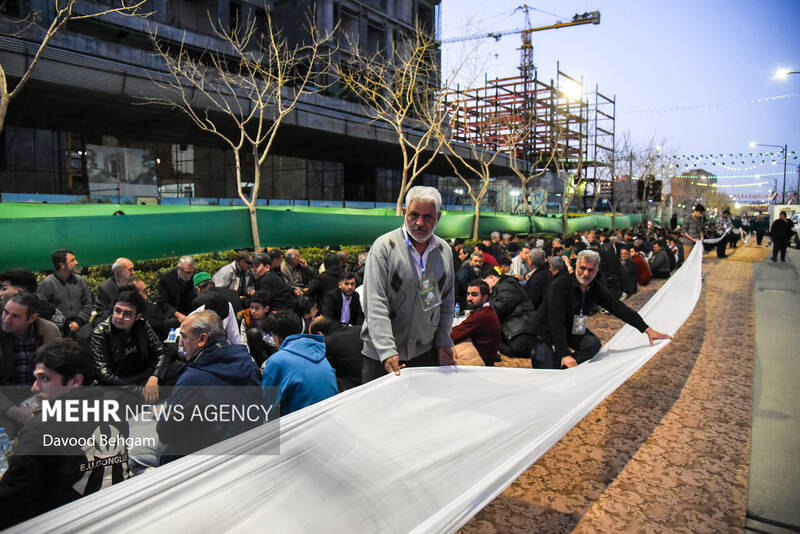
(65, 12)
(243, 95)
(402, 89)
(478, 165)
(569, 169)
(528, 171)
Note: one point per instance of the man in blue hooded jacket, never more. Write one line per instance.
(299, 369)
(216, 374)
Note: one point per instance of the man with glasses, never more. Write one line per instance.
(176, 291)
(126, 350)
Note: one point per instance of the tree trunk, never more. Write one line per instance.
(399, 207)
(524, 193)
(5, 98)
(254, 226)
(476, 218)
(251, 205)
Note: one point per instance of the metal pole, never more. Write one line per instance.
(783, 194)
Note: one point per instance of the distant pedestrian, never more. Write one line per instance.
(781, 233)
(692, 229)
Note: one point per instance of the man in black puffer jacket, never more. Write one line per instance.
(516, 314)
(126, 350)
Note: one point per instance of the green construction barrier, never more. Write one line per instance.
(503, 223)
(32, 231)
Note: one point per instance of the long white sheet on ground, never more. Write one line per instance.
(422, 452)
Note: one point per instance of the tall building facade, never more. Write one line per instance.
(82, 126)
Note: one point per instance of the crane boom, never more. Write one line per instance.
(591, 17)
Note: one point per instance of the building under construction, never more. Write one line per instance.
(544, 123)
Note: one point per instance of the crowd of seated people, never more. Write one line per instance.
(267, 320)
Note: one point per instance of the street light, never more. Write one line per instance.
(782, 74)
(785, 149)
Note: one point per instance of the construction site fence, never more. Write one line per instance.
(31, 232)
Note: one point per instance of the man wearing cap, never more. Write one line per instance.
(222, 301)
(203, 283)
(693, 229)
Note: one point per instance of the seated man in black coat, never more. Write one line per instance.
(282, 294)
(659, 261)
(342, 349)
(342, 304)
(539, 278)
(469, 271)
(121, 272)
(328, 280)
(176, 291)
(515, 312)
(126, 350)
(560, 322)
(629, 273)
(151, 313)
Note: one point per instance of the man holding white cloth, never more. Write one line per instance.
(408, 293)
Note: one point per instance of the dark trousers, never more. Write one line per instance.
(759, 236)
(584, 347)
(779, 247)
(372, 369)
(723, 243)
(259, 350)
(83, 333)
(518, 346)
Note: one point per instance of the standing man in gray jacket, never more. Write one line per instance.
(408, 293)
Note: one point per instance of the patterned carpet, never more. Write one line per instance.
(670, 449)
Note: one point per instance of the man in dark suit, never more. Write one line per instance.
(327, 280)
(283, 296)
(176, 291)
(342, 304)
(122, 270)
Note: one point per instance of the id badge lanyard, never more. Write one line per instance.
(579, 321)
(428, 292)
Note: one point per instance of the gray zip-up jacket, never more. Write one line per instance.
(72, 297)
(394, 321)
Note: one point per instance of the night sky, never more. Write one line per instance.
(695, 77)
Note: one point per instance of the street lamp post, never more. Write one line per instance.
(782, 74)
(785, 149)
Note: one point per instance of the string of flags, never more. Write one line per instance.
(749, 160)
(731, 176)
(711, 105)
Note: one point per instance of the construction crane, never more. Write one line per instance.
(591, 17)
(526, 50)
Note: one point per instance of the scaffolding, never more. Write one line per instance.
(536, 118)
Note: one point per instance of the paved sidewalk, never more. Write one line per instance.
(774, 491)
